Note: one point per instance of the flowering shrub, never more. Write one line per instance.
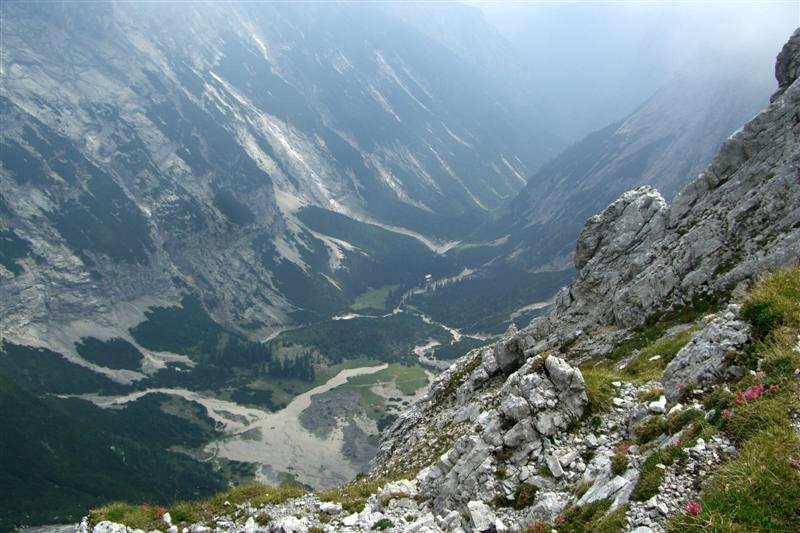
(693, 507)
(753, 393)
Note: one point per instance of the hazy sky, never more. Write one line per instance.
(612, 55)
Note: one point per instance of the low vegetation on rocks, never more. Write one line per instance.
(759, 490)
(724, 456)
(148, 517)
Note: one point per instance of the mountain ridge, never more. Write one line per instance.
(628, 407)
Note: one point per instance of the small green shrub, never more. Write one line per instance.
(681, 419)
(774, 301)
(718, 399)
(591, 517)
(651, 395)
(649, 429)
(525, 495)
(383, 523)
(619, 463)
(651, 476)
(763, 316)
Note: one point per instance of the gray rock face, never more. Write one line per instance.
(109, 527)
(481, 515)
(787, 66)
(547, 507)
(740, 217)
(536, 403)
(703, 360)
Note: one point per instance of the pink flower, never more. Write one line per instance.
(680, 441)
(693, 507)
(753, 392)
(726, 413)
(739, 399)
(681, 386)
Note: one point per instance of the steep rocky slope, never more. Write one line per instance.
(641, 259)
(664, 143)
(609, 414)
(229, 151)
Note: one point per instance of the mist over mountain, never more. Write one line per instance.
(239, 240)
(592, 63)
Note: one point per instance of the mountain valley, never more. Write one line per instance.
(299, 244)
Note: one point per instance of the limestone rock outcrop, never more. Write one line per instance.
(707, 356)
(535, 403)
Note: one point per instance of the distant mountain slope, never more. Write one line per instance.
(153, 149)
(665, 143)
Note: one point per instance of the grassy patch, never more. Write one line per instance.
(757, 491)
(353, 496)
(373, 299)
(773, 302)
(666, 348)
(779, 359)
(591, 517)
(748, 420)
(648, 430)
(681, 419)
(134, 516)
(651, 476)
(187, 512)
(409, 379)
(524, 496)
(599, 388)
